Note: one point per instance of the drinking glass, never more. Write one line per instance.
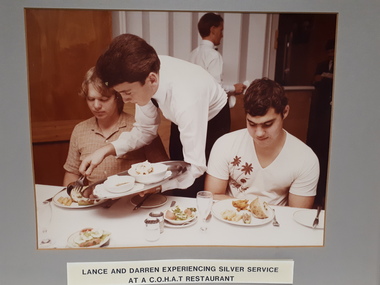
(44, 210)
(204, 204)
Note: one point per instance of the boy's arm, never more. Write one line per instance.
(217, 186)
(300, 201)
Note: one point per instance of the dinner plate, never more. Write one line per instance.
(219, 207)
(74, 205)
(72, 244)
(180, 222)
(153, 201)
(306, 218)
(101, 191)
(118, 184)
(183, 225)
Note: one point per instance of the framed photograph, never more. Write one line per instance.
(46, 50)
(288, 50)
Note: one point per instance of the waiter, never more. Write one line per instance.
(186, 94)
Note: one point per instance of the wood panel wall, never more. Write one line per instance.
(62, 45)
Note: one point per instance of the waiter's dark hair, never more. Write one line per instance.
(263, 94)
(207, 21)
(128, 58)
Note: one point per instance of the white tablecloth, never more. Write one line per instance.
(128, 229)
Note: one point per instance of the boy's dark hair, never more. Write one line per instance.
(263, 94)
(207, 21)
(129, 58)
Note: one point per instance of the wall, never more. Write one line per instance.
(176, 34)
(351, 254)
(61, 46)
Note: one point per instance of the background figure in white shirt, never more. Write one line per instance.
(210, 28)
(264, 160)
(186, 94)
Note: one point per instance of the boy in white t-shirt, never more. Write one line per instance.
(263, 159)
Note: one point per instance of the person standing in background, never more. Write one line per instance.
(210, 28)
(319, 132)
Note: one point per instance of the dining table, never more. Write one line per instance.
(128, 230)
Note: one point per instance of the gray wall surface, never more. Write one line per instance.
(351, 252)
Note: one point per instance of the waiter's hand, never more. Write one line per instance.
(183, 181)
(93, 160)
(239, 88)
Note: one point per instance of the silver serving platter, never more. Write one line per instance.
(176, 168)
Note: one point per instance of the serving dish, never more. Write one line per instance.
(149, 173)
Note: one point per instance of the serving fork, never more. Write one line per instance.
(77, 185)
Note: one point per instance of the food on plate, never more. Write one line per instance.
(144, 168)
(90, 237)
(176, 214)
(66, 201)
(247, 218)
(148, 173)
(240, 204)
(259, 208)
(231, 215)
(77, 197)
(85, 202)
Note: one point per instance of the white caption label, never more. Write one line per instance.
(181, 271)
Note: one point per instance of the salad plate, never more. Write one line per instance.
(183, 225)
(180, 215)
(88, 238)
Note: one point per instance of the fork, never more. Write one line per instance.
(79, 183)
(275, 222)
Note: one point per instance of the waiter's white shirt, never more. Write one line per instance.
(210, 59)
(189, 97)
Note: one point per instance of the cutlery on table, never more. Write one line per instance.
(109, 203)
(64, 189)
(275, 222)
(316, 220)
(156, 189)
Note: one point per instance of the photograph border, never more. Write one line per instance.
(34, 15)
(353, 167)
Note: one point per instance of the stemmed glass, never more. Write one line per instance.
(204, 204)
(44, 210)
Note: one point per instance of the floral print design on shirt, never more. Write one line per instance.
(243, 169)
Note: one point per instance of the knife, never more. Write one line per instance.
(158, 188)
(51, 198)
(316, 220)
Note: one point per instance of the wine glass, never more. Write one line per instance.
(204, 204)
(44, 210)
